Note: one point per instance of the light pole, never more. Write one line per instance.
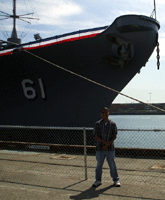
(150, 96)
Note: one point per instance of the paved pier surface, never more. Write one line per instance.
(30, 175)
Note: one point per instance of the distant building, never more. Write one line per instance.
(136, 108)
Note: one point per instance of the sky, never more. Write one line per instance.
(63, 16)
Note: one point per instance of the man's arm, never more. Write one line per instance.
(99, 139)
(107, 143)
(114, 136)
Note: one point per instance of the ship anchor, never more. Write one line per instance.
(122, 50)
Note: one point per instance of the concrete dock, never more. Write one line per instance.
(34, 175)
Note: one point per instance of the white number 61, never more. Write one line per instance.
(30, 92)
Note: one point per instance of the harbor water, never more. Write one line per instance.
(148, 131)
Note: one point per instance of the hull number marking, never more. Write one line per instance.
(29, 91)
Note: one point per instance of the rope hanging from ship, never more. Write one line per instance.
(92, 81)
(87, 79)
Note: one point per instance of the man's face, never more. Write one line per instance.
(104, 113)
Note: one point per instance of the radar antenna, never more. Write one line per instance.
(14, 38)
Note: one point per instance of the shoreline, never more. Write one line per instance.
(134, 113)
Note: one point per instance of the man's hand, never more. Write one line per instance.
(107, 143)
(105, 147)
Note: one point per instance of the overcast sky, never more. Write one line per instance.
(63, 16)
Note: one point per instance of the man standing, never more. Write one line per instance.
(105, 132)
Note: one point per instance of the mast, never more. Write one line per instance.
(14, 38)
(155, 8)
(14, 33)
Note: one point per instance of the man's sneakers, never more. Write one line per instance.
(116, 183)
(96, 183)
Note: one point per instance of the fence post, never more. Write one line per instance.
(85, 154)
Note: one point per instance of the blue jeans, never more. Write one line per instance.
(110, 156)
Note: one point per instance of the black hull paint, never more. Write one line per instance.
(61, 98)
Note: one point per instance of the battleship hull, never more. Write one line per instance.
(36, 92)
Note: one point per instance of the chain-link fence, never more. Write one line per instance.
(70, 152)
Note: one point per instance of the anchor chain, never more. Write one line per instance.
(158, 56)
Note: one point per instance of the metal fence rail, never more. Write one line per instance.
(141, 150)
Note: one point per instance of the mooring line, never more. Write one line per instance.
(87, 79)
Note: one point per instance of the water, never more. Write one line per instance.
(140, 139)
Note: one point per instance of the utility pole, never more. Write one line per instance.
(150, 96)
